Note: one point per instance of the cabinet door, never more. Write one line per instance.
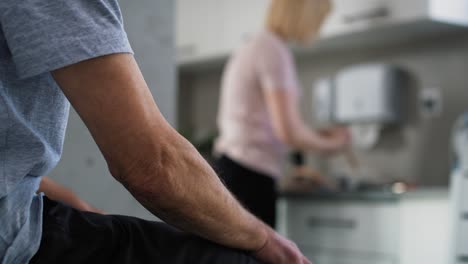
(343, 258)
(348, 16)
(200, 27)
(464, 192)
(334, 260)
(461, 216)
(351, 226)
(462, 243)
(462, 239)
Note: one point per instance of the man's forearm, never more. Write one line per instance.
(157, 165)
(191, 196)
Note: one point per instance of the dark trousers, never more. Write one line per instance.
(71, 236)
(255, 190)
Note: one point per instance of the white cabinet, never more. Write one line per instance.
(242, 19)
(209, 29)
(462, 216)
(402, 230)
(333, 258)
(212, 29)
(362, 15)
(353, 227)
(464, 194)
(462, 248)
(199, 29)
(356, 15)
(459, 213)
(425, 229)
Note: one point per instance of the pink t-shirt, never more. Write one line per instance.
(245, 126)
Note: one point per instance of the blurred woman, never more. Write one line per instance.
(258, 116)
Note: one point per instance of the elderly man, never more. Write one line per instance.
(51, 51)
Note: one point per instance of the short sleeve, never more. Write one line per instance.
(275, 65)
(46, 35)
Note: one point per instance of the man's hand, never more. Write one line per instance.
(279, 250)
(60, 193)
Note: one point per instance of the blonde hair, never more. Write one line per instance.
(297, 20)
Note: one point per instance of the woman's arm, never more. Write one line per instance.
(60, 193)
(290, 128)
(277, 77)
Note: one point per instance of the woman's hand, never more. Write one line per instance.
(335, 140)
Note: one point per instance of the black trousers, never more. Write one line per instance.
(255, 190)
(71, 236)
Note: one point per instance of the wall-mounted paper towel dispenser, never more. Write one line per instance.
(366, 97)
(369, 93)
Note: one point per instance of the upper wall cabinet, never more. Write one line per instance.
(361, 15)
(199, 24)
(243, 18)
(210, 29)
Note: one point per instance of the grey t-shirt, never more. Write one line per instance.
(36, 37)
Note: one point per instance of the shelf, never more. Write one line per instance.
(377, 38)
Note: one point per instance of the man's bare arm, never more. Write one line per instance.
(159, 167)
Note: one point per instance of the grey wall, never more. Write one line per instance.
(418, 150)
(149, 24)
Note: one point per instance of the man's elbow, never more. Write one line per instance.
(150, 173)
(158, 171)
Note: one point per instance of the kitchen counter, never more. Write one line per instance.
(377, 227)
(371, 196)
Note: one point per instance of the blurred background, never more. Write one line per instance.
(393, 71)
